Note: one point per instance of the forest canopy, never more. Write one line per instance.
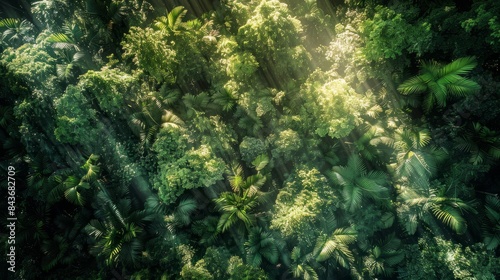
(250, 139)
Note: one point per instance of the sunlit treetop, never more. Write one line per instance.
(338, 108)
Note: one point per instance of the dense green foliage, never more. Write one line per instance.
(252, 139)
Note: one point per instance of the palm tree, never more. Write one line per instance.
(249, 122)
(261, 244)
(421, 201)
(172, 23)
(39, 173)
(181, 214)
(187, 70)
(73, 60)
(412, 159)
(226, 99)
(15, 32)
(73, 185)
(238, 205)
(206, 229)
(46, 187)
(235, 208)
(383, 256)
(119, 231)
(441, 82)
(195, 103)
(371, 142)
(171, 219)
(153, 116)
(358, 184)
(481, 142)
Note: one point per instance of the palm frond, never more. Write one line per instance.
(429, 71)
(413, 85)
(117, 11)
(254, 259)
(492, 207)
(352, 198)
(465, 144)
(356, 166)
(463, 87)
(57, 191)
(295, 255)
(261, 244)
(345, 235)
(73, 196)
(309, 273)
(169, 96)
(441, 81)
(62, 41)
(92, 170)
(175, 17)
(226, 221)
(337, 246)
(169, 119)
(357, 183)
(225, 98)
(460, 66)
(71, 193)
(171, 22)
(260, 162)
(131, 251)
(9, 23)
(491, 223)
(184, 210)
(78, 56)
(421, 138)
(429, 101)
(64, 70)
(254, 183)
(449, 216)
(156, 205)
(237, 182)
(372, 188)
